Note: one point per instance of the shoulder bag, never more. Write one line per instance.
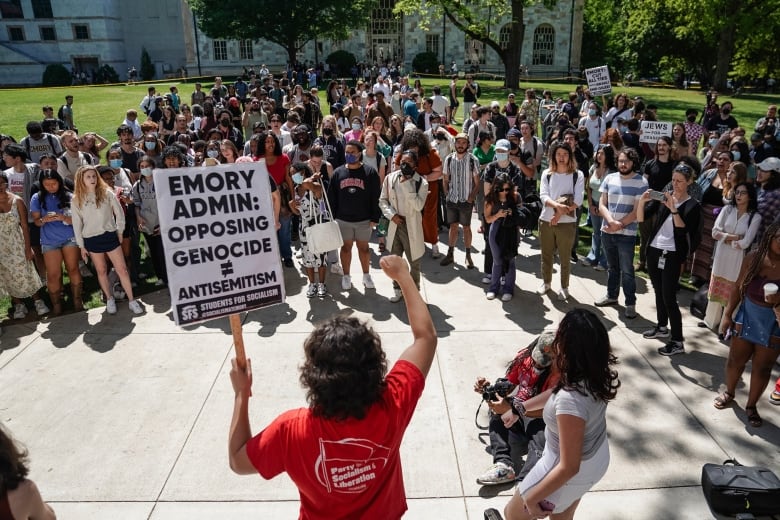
(324, 236)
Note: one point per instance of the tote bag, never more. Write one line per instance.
(323, 236)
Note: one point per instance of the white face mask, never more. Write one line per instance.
(146, 172)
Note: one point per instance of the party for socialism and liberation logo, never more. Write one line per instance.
(349, 465)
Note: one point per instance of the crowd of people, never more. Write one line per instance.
(384, 157)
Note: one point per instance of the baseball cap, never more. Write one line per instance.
(503, 144)
(542, 352)
(514, 132)
(494, 104)
(770, 164)
(462, 136)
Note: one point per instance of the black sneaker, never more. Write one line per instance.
(672, 348)
(656, 332)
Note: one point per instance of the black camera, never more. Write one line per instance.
(500, 388)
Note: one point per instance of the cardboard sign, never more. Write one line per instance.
(650, 131)
(599, 83)
(219, 236)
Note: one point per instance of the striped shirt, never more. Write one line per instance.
(460, 173)
(622, 196)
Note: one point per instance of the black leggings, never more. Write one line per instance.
(666, 282)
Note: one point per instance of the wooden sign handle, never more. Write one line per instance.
(238, 340)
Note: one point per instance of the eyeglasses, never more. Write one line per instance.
(505, 190)
(740, 192)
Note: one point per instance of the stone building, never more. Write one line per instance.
(84, 35)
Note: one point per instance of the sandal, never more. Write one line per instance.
(723, 400)
(753, 418)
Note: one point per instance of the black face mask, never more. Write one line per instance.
(513, 146)
(224, 122)
(407, 169)
(691, 119)
(725, 111)
(327, 131)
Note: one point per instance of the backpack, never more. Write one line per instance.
(49, 138)
(61, 113)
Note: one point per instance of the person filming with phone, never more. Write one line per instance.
(675, 232)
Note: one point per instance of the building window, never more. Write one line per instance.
(504, 36)
(48, 34)
(475, 53)
(11, 9)
(220, 50)
(432, 43)
(81, 32)
(245, 50)
(16, 34)
(42, 9)
(385, 36)
(544, 45)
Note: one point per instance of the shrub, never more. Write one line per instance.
(147, 67)
(107, 74)
(426, 62)
(56, 75)
(341, 62)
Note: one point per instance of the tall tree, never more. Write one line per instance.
(289, 23)
(475, 18)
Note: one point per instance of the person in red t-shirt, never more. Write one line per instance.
(342, 451)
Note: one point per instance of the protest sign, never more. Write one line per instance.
(650, 131)
(598, 80)
(219, 236)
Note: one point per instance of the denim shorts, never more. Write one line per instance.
(71, 242)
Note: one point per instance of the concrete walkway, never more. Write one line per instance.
(127, 417)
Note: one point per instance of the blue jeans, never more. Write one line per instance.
(596, 254)
(620, 265)
(285, 242)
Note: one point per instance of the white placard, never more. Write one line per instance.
(599, 83)
(219, 235)
(650, 131)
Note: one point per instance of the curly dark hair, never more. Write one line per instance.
(13, 463)
(415, 139)
(495, 188)
(584, 356)
(345, 367)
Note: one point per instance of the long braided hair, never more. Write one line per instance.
(757, 259)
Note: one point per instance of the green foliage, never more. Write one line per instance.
(56, 75)
(341, 62)
(426, 62)
(147, 71)
(290, 23)
(107, 74)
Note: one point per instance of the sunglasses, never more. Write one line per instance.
(505, 190)
(740, 192)
(683, 168)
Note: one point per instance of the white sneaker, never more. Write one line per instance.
(312, 290)
(336, 269)
(322, 291)
(111, 306)
(368, 283)
(486, 278)
(563, 294)
(20, 311)
(543, 288)
(397, 296)
(435, 251)
(159, 283)
(506, 297)
(135, 307)
(490, 296)
(41, 308)
(346, 282)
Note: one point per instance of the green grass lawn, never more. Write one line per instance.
(102, 108)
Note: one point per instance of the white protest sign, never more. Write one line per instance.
(219, 236)
(598, 80)
(650, 131)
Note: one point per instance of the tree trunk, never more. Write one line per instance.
(511, 55)
(726, 44)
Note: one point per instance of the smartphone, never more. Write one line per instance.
(657, 195)
(546, 505)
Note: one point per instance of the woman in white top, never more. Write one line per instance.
(735, 229)
(562, 189)
(98, 223)
(576, 451)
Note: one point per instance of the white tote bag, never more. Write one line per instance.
(323, 236)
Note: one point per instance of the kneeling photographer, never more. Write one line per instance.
(527, 375)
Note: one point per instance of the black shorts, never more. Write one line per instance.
(459, 213)
(104, 243)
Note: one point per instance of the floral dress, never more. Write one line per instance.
(311, 208)
(18, 276)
